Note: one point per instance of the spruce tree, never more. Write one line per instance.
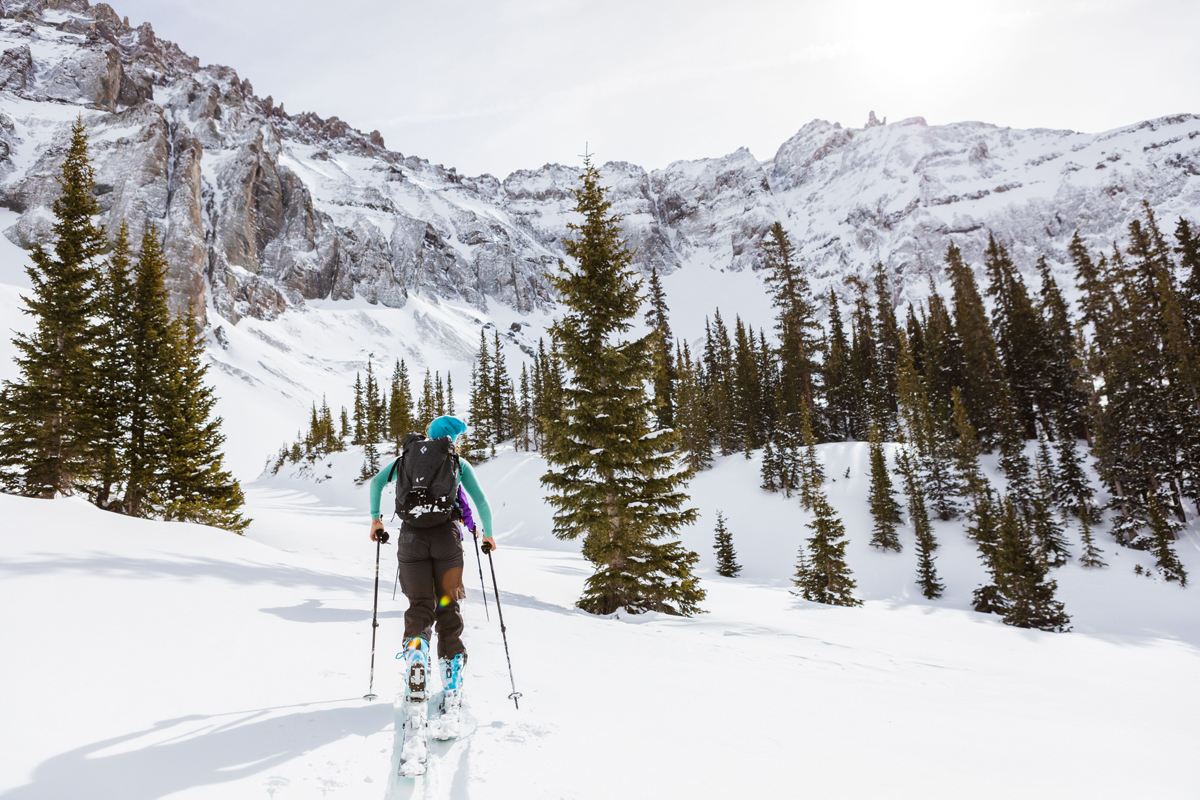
(796, 323)
(1164, 530)
(691, 413)
(918, 514)
(657, 320)
(983, 386)
(400, 412)
(841, 392)
(191, 483)
(812, 473)
(884, 508)
(1091, 553)
(360, 412)
(610, 481)
(1047, 531)
(828, 578)
(46, 417)
(114, 400)
(1020, 576)
(152, 333)
(727, 565)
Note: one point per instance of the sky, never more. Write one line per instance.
(498, 85)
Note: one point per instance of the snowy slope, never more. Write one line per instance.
(157, 659)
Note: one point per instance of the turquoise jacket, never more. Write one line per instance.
(442, 426)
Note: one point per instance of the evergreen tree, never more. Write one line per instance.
(400, 413)
(841, 392)
(46, 417)
(812, 474)
(1019, 335)
(427, 403)
(1091, 553)
(344, 429)
(483, 429)
(439, 394)
(828, 579)
(984, 390)
(747, 390)
(375, 422)
(796, 321)
(502, 393)
(1020, 577)
(887, 353)
(918, 514)
(727, 565)
(691, 413)
(664, 364)
(151, 340)
(884, 508)
(524, 428)
(1163, 529)
(449, 394)
(191, 483)
(611, 482)
(114, 400)
(1047, 531)
(718, 385)
(360, 412)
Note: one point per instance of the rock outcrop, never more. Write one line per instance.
(261, 210)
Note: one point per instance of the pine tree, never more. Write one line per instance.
(828, 578)
(983, 386)
(1164, 530)
(884, 508)
(1047, 531)
(525, 411)
(449, 394)
(918, 514)
(840, 391)
(400, 414)
(727, 565)
(1021, 577)
(1019, 334)
(344, 429)
(482, 421)
(1091, 553)
(812, 474)
(46, 418)
(360, 412)
(747, 390)
(502, 392)
(191, 483)
(691, 413)
(374, 424)
(114, 399)
(796, 320)
(427, 404)
(611, 483)
(439, 394)
(151, 339)
(664, 363)
(887, 353)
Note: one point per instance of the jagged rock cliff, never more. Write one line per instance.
(261, 210)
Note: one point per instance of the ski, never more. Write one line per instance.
(449, 720)
(414, 748)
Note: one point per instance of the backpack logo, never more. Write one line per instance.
(423, 449)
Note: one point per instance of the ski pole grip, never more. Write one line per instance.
(487, 548)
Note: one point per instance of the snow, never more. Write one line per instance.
(155, 659)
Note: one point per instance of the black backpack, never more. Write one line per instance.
(427, 483)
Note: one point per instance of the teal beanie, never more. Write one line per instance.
(446, 426)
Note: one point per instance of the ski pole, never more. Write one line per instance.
(397, 584)
(487, 548)
(380, 539)
(482, 585)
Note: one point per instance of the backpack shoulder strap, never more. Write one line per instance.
(392, 471)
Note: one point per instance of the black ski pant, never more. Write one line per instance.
(431, 567)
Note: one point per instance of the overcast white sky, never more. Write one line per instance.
(497, 85)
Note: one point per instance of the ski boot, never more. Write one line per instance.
(414, 752)
(451, 706)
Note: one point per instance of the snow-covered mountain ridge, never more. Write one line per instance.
(263, 210)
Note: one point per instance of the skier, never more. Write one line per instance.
(430, 552)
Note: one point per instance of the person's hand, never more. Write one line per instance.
(488, 544)
(378, 534)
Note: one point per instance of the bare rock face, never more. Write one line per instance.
(261, 211)
(16, 68)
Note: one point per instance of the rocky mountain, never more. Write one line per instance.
(262, 210)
